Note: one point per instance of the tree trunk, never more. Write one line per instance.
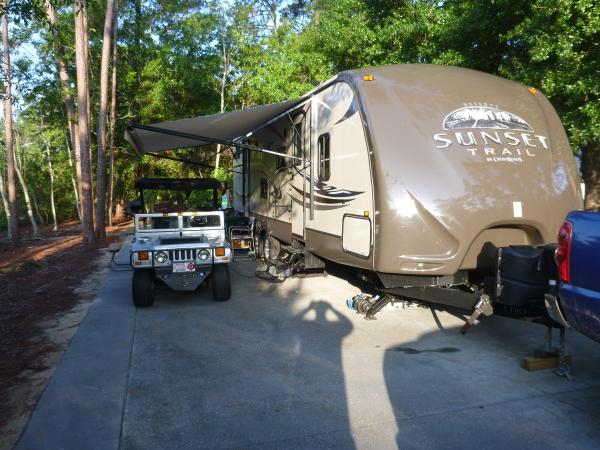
(8, 126)
(75, 190)
(89, 105)
(113, 117)
(52, 206)
(224, 74)
(87, 209)
(36, 208)
(138, 39)
(51, 171)
(101, 159)
(65, 83)
(27, 202)
(6, 207)
(590, 169)
(87, 82)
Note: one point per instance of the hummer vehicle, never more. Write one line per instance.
(180, 248)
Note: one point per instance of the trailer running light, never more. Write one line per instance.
(563, 252)
(369, 77)
(533, 90)
(220, 251)
(143, 256)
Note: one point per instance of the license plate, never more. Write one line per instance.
(186, 266)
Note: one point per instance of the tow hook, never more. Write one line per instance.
(483, 306)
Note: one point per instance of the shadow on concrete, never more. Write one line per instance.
(283, 366)
(472, 394)
(264, 368)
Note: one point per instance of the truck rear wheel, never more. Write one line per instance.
(143, 288)
(221, 285)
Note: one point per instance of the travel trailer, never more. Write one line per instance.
(431, 183)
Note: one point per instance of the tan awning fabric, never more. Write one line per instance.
(223, 127)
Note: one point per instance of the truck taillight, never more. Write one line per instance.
(563, 252)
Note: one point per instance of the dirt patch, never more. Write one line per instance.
(47, 286)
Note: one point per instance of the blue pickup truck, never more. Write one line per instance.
(578, 260)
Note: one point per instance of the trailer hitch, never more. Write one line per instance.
(483, 306)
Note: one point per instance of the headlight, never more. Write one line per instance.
(203, 254)
(160, 257)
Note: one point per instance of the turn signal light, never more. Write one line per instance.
(563, 252)
(368, 77)
(143, 256)
(220, 251)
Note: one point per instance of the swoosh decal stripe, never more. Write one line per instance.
(324, 199)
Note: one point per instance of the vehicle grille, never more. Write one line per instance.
(188, 254)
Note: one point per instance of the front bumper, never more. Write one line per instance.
(187, 281)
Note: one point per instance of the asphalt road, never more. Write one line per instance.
(289, 366)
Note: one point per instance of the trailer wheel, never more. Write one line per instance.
(262, 247)
(221, 284)
(274, 248)
(143, 288)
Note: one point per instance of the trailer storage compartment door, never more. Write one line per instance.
(356, 235)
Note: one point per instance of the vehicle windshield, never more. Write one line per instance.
(201, 221)
(158, 223)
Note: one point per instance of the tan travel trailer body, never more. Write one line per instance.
(426, 165)
(432, 183)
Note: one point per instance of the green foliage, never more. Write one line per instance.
(176, 56)
(561, 54)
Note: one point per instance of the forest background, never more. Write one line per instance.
(75, 74)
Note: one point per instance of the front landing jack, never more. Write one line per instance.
(483, 306)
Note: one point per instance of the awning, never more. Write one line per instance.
(217, 128)
(179, 184)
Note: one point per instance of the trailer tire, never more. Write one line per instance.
(274, 249)
(143, 288)
(262, 247)
(221, 283)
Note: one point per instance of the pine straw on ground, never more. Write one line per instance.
(37, 283)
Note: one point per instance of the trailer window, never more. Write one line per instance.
(324, 159)
(264, 188)
(297, 143)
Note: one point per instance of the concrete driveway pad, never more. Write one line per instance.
(289, 366)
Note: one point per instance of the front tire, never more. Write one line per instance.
(221, 284)
(143, 288)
